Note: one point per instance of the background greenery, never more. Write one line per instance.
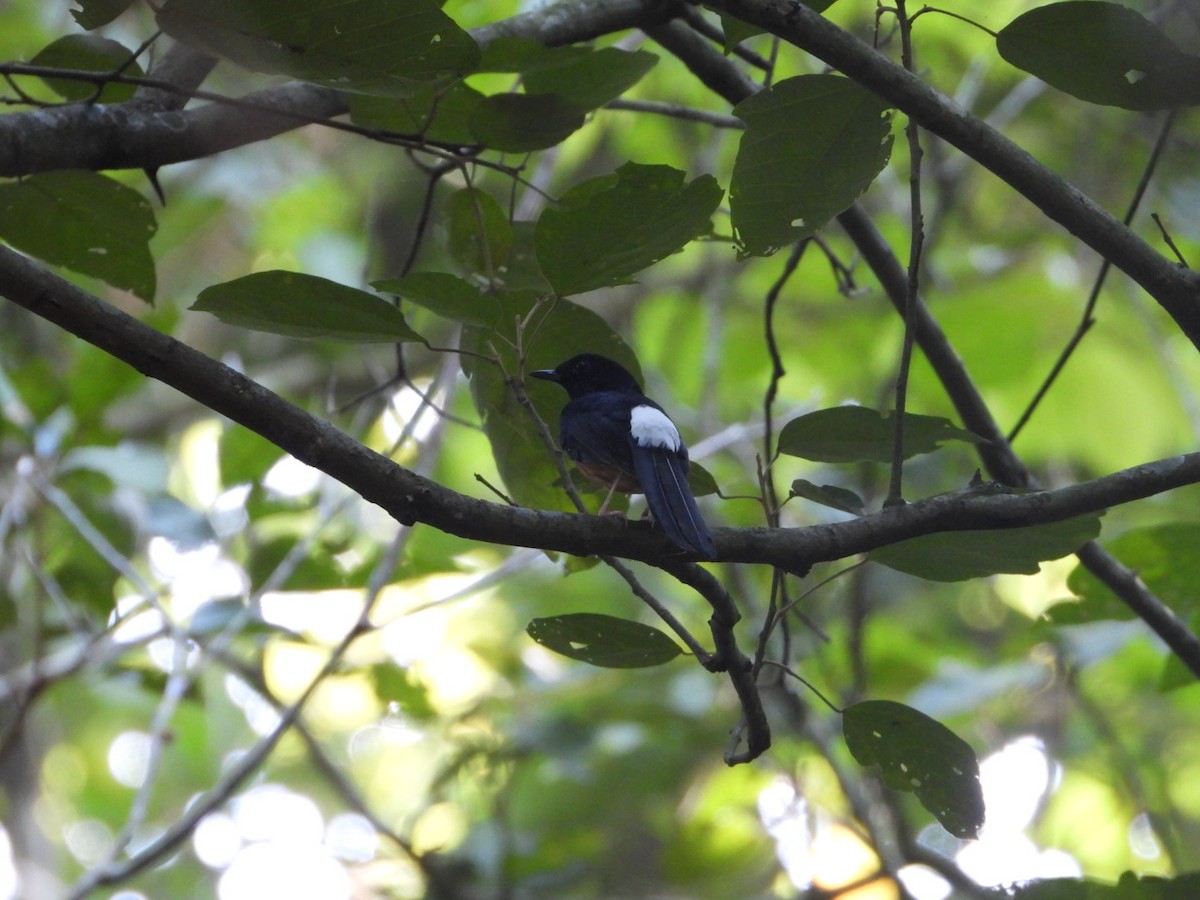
(175, 583)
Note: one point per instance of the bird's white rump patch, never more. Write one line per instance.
(650, 427)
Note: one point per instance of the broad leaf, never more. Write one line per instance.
(961, 555)
(556, 332)
(1103, 53)
(1165, 558)
(479, 232)
(393, 48)
(812, 146)
(445, 294)
(591, 80)
(858, 434)
(520, 123)
(439, 114)
(828, 495)
(94, 13)
(610, 228)
(1129, 887)
(701, 481)
(305, 306)
(920, 756)
(88, 53)
(604, 640)
(84, 221)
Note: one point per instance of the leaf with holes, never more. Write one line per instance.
(604, 640)
(921, 756)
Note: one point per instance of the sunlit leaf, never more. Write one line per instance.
(1103, 53)
(858, 434)
(920, 756)
(608, 229)
(961, 555)
(84, 221)
(604, 640)
(389, 47)
(88, 53)
(812, 145)
(305, 306)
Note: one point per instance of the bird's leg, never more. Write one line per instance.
(611, 490)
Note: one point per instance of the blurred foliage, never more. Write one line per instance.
(172, 583)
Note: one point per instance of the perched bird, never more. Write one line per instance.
(623, 441)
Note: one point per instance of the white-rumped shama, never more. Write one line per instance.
(623, 441)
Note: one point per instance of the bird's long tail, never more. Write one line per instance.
(663, 477)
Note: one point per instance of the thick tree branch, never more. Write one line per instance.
(1176, 289)
(138, 135)
(411, 498)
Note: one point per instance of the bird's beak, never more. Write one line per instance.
(546, 375)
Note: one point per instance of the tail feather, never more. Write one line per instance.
(663, 477)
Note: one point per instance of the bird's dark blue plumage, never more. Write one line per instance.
(622, 440)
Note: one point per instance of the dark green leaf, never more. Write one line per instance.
(736, 31)
(479, 233)
(921, 756)
(559, 330)
(700, 480)
(604, 640)
(445, 294)
(519, 123)
(828, 495)
(1130, 887)
(858, 434)
(440, 114)
(305, 306)
(591, 80)
(393, 48)
(1165, 558)
(1102, 53)
(84, 221)
(812, 146)
(94, 13)
(960, 555)
(88, 53)
(518, 54)
(244, 456)
(610, 228)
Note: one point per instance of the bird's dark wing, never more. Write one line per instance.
(663, 476)
(594, 431)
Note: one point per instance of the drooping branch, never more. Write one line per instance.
(411, 498)
(1176, 289)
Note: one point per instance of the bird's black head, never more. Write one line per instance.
(588, 373)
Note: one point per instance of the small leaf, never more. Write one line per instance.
(591, 80)
(812, 145)
(445, 294)
(858, 434)
(961, 555)
(610, 228)
(921, 756)
(520, 123)
(604, 640)
(84, 221)
(305, 306)
(94, 13)
(479, 233)
(393, 48)
(1102, 53)
(88, 53)
(700, 480)
(828, 495)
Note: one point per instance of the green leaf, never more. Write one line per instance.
(94, 13)
(520, 123)
(604, 640)
(961, 555)
(305, 306)
(1102, 53)
(919, 755)
(1130, 887)
(393, 48)
(479, 232)
(1165, 558)
(735, 31)
(858, 434)
(589, 81)
(445, 294)
(610, 228)
(88, 53)
(556, 332)
(439, 114)
(828, 495)
(84, 221)
(700, 480)
(396, 685)
(812, 146)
